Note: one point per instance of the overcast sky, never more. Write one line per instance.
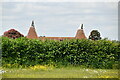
(61, 19)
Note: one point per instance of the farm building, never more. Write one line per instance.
(33, 35)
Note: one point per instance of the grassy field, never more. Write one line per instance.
(65, 72)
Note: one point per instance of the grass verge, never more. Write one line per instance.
(65, 72)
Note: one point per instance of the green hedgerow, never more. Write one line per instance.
(89, 53)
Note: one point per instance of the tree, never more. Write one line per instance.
(94, 35)
(12, 33)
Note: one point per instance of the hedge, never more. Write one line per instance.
(89, 53)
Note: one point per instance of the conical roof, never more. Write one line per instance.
(80, 33)
(32, 33)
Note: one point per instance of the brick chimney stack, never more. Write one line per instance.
(80, 33)
(32, 32)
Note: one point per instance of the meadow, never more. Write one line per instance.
(65, 72)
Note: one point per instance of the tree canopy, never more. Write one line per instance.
(94, 35)
(12, 33)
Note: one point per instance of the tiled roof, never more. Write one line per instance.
(56, 38)
(80, 34)
(32, 33)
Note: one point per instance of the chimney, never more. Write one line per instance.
(32, 33)
(80, 33)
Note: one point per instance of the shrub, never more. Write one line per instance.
(12, 33)
(89, 53)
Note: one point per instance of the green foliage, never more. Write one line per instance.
(94, 35)
(12, 33)
(30, 52)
